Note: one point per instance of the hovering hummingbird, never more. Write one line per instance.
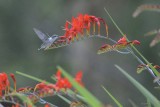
(47, 40)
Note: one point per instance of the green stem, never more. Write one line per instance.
(152, 68)
(133, 54)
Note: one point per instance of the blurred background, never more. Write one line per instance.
(19, 45)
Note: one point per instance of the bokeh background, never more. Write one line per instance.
(19, 44)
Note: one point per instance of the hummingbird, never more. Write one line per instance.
(47, 40)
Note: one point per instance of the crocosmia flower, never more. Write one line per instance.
(122, 43)
(76, 28)
(4, 82)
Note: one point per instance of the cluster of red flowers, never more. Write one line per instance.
(61, 82)
(42, 89)
(78, 26)
(121, 44)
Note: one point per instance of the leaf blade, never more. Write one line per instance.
(112, 97)
(151, 98)
(90, 99)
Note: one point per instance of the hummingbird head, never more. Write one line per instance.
(53, 38)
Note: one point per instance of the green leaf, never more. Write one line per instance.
(65, 99)
(148, 103)
(151, 98)
(31, 77)
(89, 98)
(113, 98)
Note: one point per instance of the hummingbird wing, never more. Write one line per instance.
(41, 35)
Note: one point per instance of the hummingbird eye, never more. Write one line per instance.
(55, 36)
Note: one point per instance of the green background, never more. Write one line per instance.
(19, 45)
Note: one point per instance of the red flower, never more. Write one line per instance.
(40, 86)
(1, 88)
(14, 80)
(66, 29)
(25, 89)
(47, 105)
(58, 75)
(136, 42)
(121, 44)
(79, 24)
(44, 86)
(96, 20)
(63, 83)
(87, 22)
(4, 82)
(78, 77)
(122, 41)
(17, 105)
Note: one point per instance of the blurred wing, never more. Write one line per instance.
(41, 35)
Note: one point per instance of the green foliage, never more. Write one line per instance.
(89, 98)
(151, 98)
(154, 70)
